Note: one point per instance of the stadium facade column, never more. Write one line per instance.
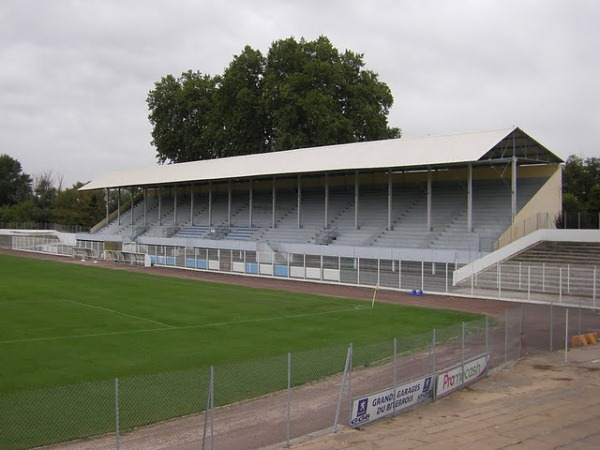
(469, 198)
(356, 195)
(274, 201)
(429, 183)
(513, 190)
(229, 203)
(299, 200)
(210, 203)
(160, 205)
(326, 200)
(192, 204)
(174, 204)
(145, 190)
(131, 207)
(107, 204)
(390, 198)
(250, 201)
(513, 179)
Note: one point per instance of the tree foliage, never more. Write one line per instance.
(302, 94)
(581, 183)
(15, 186)
(581, 189)
(45, 201)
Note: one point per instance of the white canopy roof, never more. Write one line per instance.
(393, 153)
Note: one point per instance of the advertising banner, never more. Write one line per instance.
(380, 404)
(458, 376)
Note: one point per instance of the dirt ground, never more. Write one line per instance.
(537, 402)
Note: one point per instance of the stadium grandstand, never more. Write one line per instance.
(436, 213)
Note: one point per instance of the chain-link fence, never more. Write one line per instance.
(272, 401)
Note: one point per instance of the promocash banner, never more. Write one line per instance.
(380, 404)
(458, 376)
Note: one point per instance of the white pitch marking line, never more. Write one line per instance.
(172, 328)
(117, 312)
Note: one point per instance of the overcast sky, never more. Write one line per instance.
(74, 75)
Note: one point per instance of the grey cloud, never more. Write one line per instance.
(74, 75)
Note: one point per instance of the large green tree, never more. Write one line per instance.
(302, 94)
(15, 186)
(182, 116)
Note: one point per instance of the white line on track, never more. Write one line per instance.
(172, 328)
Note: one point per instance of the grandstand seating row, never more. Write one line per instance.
(236, 220)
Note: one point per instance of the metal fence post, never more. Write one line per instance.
(521, 331)
(462, 377)
(209, 411)
(506, 337)
(472, 278)
(499, 281)
(560, 285)
(487, 325)
(566, 335)
(399, 274)
(117, 433)
(446, 276)
(395, 371)
(543, 277)
(579, 318)
(433, 351)
(528, 283)
(289, 399)
(594, 287)
(342, 385)
(551, 327)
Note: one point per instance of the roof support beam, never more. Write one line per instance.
(210, 204)
(429, 187)
(250, 202)
(131, 206)
(118, 206)
(274, 201)
(160, 205)
(192, 204)
(513, 181)
(390, 198)
(326, 200)
(174, 204)
(107, 206)
(470, 198)
(513, 190)
(299, 198)
(356, 197)
(229, 203)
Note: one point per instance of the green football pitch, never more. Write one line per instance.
(65, 323)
